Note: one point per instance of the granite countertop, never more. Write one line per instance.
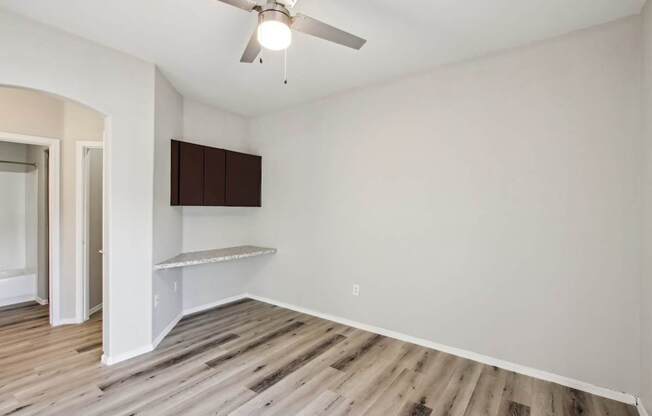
(213, 256)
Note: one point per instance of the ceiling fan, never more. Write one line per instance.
(276, 23)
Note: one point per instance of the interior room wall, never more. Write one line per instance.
(646, 286)
(30, 177)
(167, 285)
(122, 88)
(492, 205)
(39, 155)
(26, 112)
(13, 215)
(95, 162)
(215, 227)
(18, 225)
(80, 123)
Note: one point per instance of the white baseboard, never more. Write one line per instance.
(641, 408)
(94, 309)
(22, 299)
(16, 299)
(212, 305)
(110, 360)
(506, 365)
(166, 330)
(41, 300)
(67, 321)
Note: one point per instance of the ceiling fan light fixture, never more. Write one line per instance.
(274, 31)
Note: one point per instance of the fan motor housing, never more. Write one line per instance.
(275, 12)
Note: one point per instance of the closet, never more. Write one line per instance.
(18, 224)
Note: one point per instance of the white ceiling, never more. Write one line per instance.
(198, 43)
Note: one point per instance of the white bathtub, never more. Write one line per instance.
(16, 286)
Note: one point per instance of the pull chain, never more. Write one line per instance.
(285, 67)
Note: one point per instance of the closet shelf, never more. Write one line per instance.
(213, 256)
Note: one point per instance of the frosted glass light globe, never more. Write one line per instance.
(274, 35)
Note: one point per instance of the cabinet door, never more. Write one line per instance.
(191, 174)
(243, 179)
(214, 176)
(174, 173)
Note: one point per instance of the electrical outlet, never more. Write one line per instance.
(156, 300)
(175, 286)
(356, 290)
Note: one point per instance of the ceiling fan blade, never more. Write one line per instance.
(247, 5)
(314, 27)
(252, 50)
(288, 3)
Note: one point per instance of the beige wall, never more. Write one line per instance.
(35, 113)
(28, 112)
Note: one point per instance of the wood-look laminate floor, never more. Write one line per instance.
(251, 358)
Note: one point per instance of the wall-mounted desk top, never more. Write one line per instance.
(213, 256)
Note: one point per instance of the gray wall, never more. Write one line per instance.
(167, 219)
(646, 287)
(492, 205)
(215, 227)
(95, 217)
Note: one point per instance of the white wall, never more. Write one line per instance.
(12, 220)
(30, 177)
(13, 213)
(215, 227)
(167, 219)
(121, 87)
(492, 205)
(18, 225)
(646, 286)
(38, 155)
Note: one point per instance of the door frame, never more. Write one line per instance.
(82, 278)
(54, 217)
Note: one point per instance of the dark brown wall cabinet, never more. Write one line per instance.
(206, 176)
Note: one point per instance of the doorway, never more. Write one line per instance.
(90, 199)
(31, 270)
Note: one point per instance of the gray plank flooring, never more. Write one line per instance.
(251, 358)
